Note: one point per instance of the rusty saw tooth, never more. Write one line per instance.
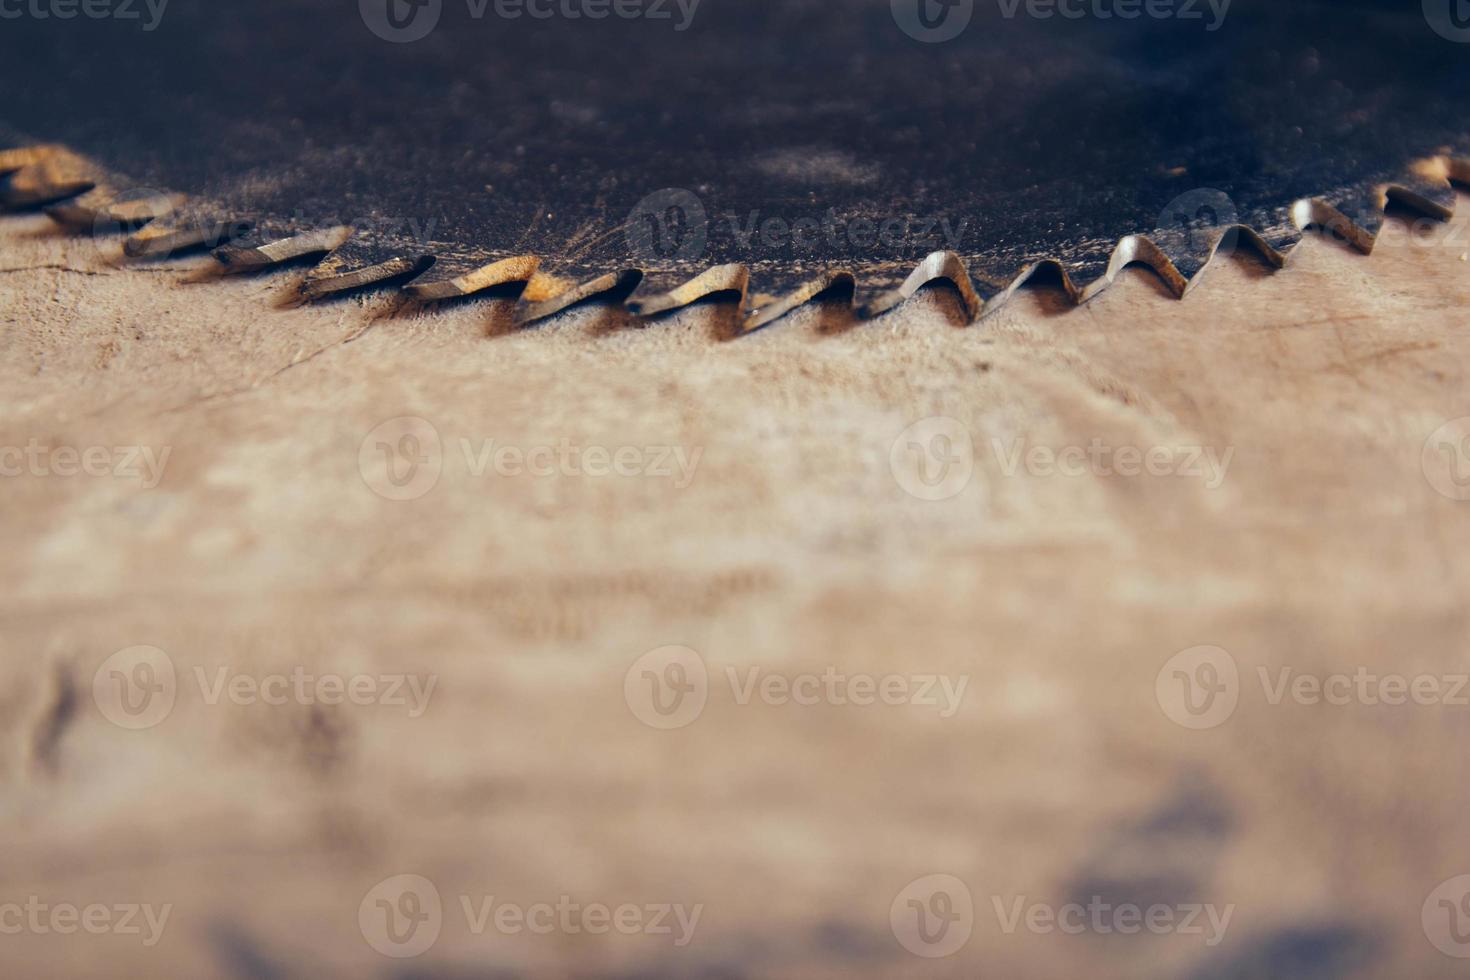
(1176, 256)
(999, 286)
(874, 299)
(662, 292)
(40, 175)
(183, 231)
(105, 209)
(1274, 247)
(1426, 189)
(452, 277)
(1355, 218)
(554, 287)
(18, 158)
(356, 263)
(1356, 213)
(245, 256)
(772, 294)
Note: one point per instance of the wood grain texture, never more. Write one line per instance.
(1325, 548)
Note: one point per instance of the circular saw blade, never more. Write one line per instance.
(774, 149)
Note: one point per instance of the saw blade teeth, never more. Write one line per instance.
(1096, 266)
(1273, 250)
(237, 257)
(319, 285)
(452, 278)
(1432, 195)
(104, 208)
(167, 223)
(181, 232)
(1355, 217)
(355, 264)
(1024, 274)
(1275, 243)
(40, 175)
(24, 191)
(936, 267)
(1176, 262)
(661, 292)
(766, 305)
(19, 157)
(1178, 254)
(552, 289)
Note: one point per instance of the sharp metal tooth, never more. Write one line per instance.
(40, 175)
(180, 232)
(872, 289)
(1013, 278)
(772, 298)
(1178, 254)
(1426, 188)
(102, 208)
(451, 277)
(1176, 262)
(355, 264)
(660, 292)
(936, 266)
(552, 289)
(20, 157)
(241, 257)
(1275, 243)
(1356, 216)
(1091, 269)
